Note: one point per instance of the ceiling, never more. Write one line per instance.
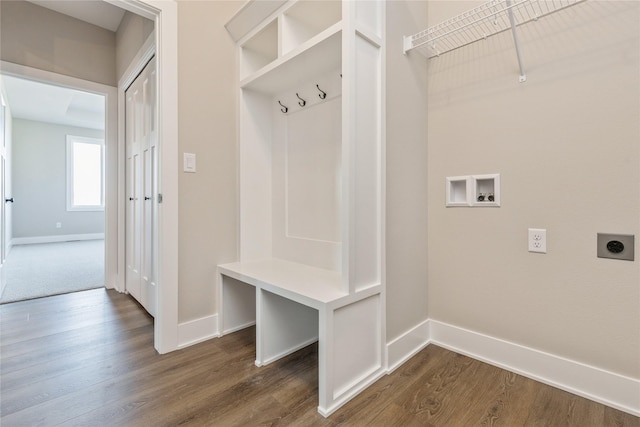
(53, 104)
(95, 12)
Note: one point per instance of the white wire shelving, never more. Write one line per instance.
(482, 22)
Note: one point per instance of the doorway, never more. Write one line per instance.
(53, 215)
(164, 14)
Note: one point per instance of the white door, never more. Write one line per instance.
(141, 182)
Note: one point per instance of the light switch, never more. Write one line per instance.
(189, 162)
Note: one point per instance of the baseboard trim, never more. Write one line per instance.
(593, 383)
(407, 345)
(198, 330)
(55, 239)
(610, 389)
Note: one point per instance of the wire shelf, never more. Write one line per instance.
(479, 23)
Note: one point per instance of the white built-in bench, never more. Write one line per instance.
(294, 305)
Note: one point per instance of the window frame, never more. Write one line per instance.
(71, 139)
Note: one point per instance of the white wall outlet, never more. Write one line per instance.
(538, 240)
(58, 225)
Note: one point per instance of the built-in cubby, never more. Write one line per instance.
(259, 50)
(473, 190)
(311, 185)
(305, 20)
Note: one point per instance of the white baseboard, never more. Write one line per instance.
(198, 330)
(55, 239)
(407, 345)
(608, 388)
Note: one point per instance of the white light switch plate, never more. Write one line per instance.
(189, 161)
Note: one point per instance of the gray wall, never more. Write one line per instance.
(131, 35)
(566, 143)
(406, 186)
(39, 181)
(40, 38)
(207, 98)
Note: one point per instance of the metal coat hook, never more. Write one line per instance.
(302, 102)
(322, 93)
(284, 109)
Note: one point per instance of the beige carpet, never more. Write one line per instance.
(39, 270)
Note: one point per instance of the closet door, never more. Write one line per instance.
(141, 179)
(149, 190)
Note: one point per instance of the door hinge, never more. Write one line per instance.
(159, 197)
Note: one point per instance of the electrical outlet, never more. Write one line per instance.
(58, 225)
(538, 240)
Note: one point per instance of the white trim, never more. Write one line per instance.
(610, 389)
(165, 16)
(593, 383)
(407, 345)
(140, 60)
(70, 166)
(54, 239)
(198, 330)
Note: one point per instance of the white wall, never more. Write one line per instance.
(39, 181)
(40, 38)
(566, 143)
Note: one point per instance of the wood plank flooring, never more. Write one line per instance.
(87, 359)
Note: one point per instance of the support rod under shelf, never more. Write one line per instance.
(514, 32)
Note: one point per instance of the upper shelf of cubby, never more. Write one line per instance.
(290, 39)
(479, 23)
(318, 55)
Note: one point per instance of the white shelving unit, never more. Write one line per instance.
(482, 22)
(311, 153)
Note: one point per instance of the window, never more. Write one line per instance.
(85, 174)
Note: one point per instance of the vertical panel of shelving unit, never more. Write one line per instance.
(255, 158)
(362, 55)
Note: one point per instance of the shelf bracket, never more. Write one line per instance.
(407, 45)
(514, 32)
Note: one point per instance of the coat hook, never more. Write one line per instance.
(322, 93)
(283, 109)
(302, 102)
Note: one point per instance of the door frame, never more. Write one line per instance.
(165, 16)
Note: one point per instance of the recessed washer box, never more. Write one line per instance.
(616, 246)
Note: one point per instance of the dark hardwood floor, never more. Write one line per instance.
(87, 359)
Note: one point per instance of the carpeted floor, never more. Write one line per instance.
(38, 270)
